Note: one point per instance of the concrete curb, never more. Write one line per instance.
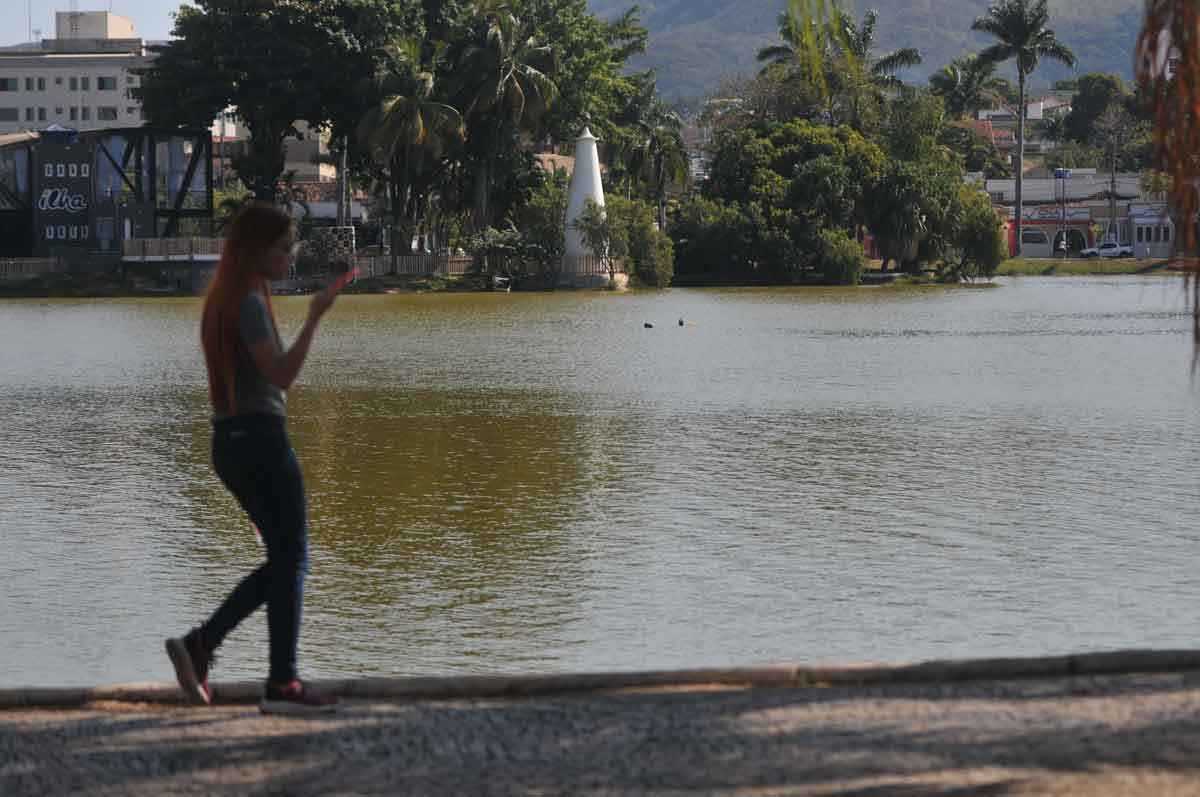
(498, 686)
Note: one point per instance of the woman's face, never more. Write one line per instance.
(279, 257)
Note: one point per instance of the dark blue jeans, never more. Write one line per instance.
(255, 460)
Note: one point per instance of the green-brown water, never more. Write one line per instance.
(537, 482)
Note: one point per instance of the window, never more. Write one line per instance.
(131, 111)
(29, 84)
(87, 113)
(1139, 234)
(72, 170)
(73, 84)
(1157, 234)
(106, 84)
(58, 111)
(58, 81)
(1034, 237)
(8, 84)
(48, 171)
(996, 196)
(60, 170)
(106, 114)
(41, 84)
(62, 232)
(84, 169)
(74, 114)
(49, 232)
(84, 83)
(41, 114)
(9, 115)
(1166, 234)
(28, 114)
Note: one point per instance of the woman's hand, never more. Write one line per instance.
(322, 300)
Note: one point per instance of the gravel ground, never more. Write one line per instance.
(1130, 734)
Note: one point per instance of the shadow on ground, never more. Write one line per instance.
(998, 738)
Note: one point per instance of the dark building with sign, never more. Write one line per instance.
(79, 194)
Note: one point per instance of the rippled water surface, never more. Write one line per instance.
(539, 483)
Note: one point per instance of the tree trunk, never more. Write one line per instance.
(1020, 151)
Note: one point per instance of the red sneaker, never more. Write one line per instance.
(297, 698)
(192, 661)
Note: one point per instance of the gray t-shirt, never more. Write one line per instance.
(253, 392)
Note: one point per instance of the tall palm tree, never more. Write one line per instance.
(863, 72)
(858, 43)
(507, 82)
(406, 131)
(967, 85)
(659, 155)
(1019, 27)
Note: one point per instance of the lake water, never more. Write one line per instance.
(536, 482)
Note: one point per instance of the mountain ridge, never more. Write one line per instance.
(694, 43)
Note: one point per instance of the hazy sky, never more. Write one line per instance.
(152, 18)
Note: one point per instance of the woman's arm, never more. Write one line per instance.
(280, 367)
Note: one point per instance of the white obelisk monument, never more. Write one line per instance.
(585, 185)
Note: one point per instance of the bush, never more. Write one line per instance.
(841, 258)
(624, 231)
(980, 237)
(653, 257)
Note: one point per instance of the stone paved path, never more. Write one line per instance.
(1132, 734)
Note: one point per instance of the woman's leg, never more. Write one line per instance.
(262, 472)
(286, 538)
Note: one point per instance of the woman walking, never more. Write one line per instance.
(248, 371)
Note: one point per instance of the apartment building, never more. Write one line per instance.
(82, 79)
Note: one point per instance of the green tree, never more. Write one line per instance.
(1094, 94)
(409, 132)
(275, 63)
(976, 152)
(911, 212)
(858, 42)
(1073, 155)
(979, 236)
(605, 231)
(657, 153)
(842, 258)
(507, 86)
(967, 85)
(540, 221)
(1021, 33)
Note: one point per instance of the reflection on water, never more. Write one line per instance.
(537, 482)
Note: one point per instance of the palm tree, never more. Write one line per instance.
(1019, 27)
(858, 42)
(792, 52)
(506, 75)
(813, 36)
(966, 85)
(407, 130)
(658, 154)
(863, 71)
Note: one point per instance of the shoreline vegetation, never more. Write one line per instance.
(114, 286)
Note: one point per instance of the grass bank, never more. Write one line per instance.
(1029, 267)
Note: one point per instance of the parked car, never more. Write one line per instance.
(1107, 249)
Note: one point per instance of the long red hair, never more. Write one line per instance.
(252, 232)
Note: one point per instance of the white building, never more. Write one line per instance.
(80, 79)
